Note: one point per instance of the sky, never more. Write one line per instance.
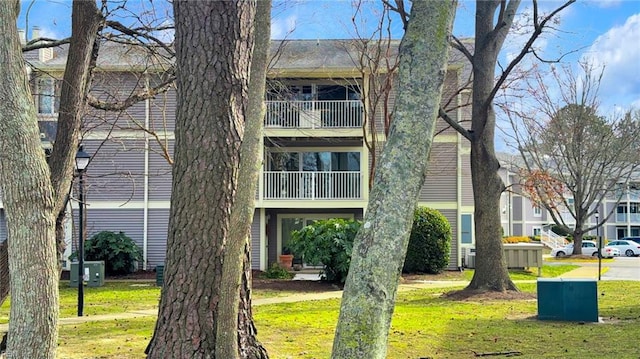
(605, 31)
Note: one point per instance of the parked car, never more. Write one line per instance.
(635, 239)
(610, 252)
(589, 248)
(628, 247)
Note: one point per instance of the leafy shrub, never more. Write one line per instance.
(327, 243)
(119, 252)
(277, 272)
(429, 243)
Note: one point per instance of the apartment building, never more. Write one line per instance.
(316, 161)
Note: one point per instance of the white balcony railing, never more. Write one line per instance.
(633, 217)
(312, 185)
(314, 114)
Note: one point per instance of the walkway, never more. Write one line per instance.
(582, 272)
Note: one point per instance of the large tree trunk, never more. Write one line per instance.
(29, 200)
(86, 20)
(381, 244)
(491, 267)
(241, 340)
(214, 41)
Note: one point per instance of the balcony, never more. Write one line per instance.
(314, 114)
(632, 217)
(333, 185)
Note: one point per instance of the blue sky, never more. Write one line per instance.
(607, 31)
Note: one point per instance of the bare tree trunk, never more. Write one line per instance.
(86, 22)
(214, 42)
(491, 267)
(381, 244)
(29, 200)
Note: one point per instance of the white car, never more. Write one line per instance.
(629, 248)
(589, 248)
(610, 252)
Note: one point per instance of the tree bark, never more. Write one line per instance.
(86, 22)
(491, 267)
(214, 41)
(236, 272)
(29, 200)
(85, 25)
(381, 244)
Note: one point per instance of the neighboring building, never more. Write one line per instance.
(316, 163)
(521, 217)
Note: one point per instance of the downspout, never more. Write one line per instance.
(145, 209)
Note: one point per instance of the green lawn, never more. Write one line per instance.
(424, 325)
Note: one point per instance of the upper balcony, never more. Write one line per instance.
(314, 114)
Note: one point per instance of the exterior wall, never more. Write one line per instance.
(157, 236)
(455, 260)
(441, 183)
(3, 226)
(256, 247)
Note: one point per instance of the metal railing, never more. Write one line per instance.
(314, 114)
(312, 185)
(550, 239)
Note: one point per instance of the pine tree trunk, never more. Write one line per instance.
(29, 200)
(381, 244)
(214, 41)
(237, 269)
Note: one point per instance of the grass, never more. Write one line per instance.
(424, 324)
(549, 271)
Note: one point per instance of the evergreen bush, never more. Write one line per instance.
(429, 243)
(119, 252)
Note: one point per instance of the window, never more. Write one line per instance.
(537, 231)
(314, 161)
(537, 211)
(48, 95)
(466, 229)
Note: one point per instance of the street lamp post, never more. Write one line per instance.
(599, 245)
(82, 160)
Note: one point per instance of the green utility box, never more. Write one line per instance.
(93, 273)
(159, 275)
(567, 299)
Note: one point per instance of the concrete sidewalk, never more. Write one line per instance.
(589, 272)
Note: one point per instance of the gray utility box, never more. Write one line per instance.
(93, 273)
(567, 299)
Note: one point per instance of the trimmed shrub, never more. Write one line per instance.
(119, 252)
(327, 243)
(429, 243)
(277, 272)
(516, 239)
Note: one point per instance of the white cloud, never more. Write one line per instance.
(607, 3)
(281, 28)
(618, 50)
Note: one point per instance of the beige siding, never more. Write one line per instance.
(449, 103)
(465, 181)
(452, 217)
(441, 184)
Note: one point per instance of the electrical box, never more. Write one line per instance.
(567, 299)
(93, 274)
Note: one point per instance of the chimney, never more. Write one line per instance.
(23, 36)
(44, 54)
